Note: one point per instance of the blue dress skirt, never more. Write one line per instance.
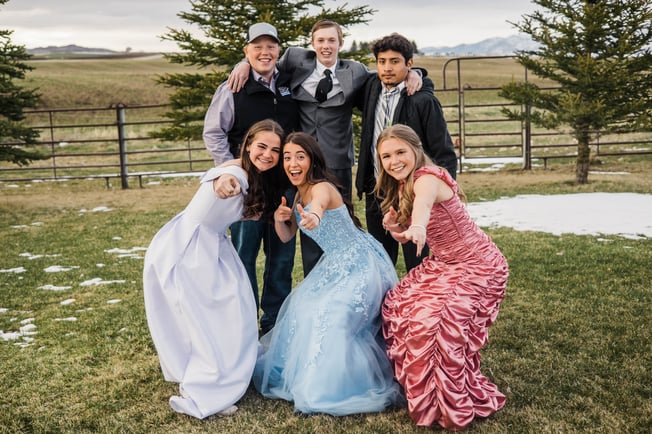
(326, 353)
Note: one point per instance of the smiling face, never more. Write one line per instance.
(296, 163)
(397, 157)
(327, 43)
(262, 54)
(392, 68)
(265, 150)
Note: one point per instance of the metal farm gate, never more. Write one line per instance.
(115, 143)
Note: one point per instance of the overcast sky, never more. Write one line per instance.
(118, 24)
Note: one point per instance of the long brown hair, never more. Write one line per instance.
(388, 188)
(318, 172)
(265, 188)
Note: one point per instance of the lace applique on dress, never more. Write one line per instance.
(333, 360)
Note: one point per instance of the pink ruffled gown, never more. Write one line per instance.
(436, 319)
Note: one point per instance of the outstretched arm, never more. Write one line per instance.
(425, 193)
(226, 186)
(324, 195)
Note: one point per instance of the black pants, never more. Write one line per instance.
(374, 217)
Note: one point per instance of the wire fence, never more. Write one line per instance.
(474, 116)
(115, 142)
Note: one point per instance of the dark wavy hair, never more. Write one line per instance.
(394, 42)
(318, 172)
(265, 188)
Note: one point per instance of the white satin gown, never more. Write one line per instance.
(199, 303)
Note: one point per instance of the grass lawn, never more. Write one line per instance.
(571, 349)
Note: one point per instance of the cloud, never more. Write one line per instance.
(91, 23)
(139, 24)
(441, 23)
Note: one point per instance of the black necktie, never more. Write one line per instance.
(324, 86)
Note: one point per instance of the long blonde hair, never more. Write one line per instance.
(387, 188)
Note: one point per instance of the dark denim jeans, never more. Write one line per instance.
(247, 236)
(374, 217)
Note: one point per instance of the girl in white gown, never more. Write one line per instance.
(198, 300)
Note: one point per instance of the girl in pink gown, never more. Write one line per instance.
(436, 319)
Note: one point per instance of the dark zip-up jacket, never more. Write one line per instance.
(422, 112)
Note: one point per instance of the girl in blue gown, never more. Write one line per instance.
(325, 353)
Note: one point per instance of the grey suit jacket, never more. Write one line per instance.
(329, 122)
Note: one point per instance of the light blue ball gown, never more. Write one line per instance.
(326, 353)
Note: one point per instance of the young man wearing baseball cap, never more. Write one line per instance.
(266, 95)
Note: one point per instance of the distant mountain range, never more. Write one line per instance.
(488, 47)
(506, 46)
(68, 49)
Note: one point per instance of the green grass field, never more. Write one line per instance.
(571, 349)
(100, 82)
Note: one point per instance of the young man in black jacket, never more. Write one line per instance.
(386, 103)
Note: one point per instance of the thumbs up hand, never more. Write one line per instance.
(283, 213)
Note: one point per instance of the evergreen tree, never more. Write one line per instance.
(416, 49)
(354, 46)
(224, 25)
(360, 51)
(15, 137)
(598, 53)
